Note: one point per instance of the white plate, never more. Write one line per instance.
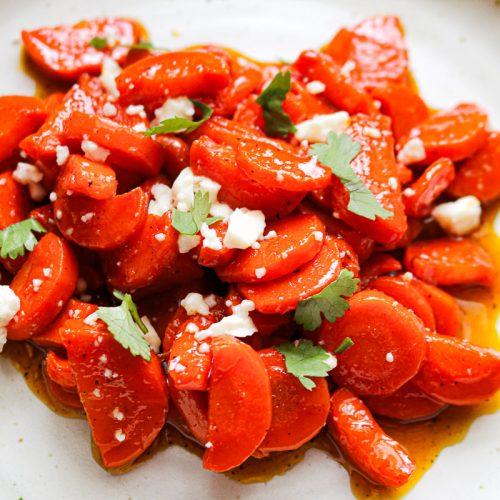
(454, 49)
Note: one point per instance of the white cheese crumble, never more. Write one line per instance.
(260, 272)
(94, 152)
(120, 436)
(160, 236)
(347, 68)
(180, 107)
(86, 217)
(109, 71)
(244, 228)
(194, 303)
(9, 307)
(187, 242)
(117, 414)
(53, 196)
(109, 109)
(62, 155)
(91, 319)
(29, 175)
(47, 272)
(412, 152)
(315, 87)
(317, 128)
(136, 110)
(459, 217)
(161, 202)
(318, 235)
(210, 238)
(204, 348)
(219, 209)
(389, 357)
(151, 336)
(311, 168)
(37, 283)
(372, 132)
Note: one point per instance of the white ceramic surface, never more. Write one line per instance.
(454, 49)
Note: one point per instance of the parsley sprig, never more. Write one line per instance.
(330, 302)
(337, 154)
(277, 122)
(102, 43)
(17, 238)
(190, 223)
(126, 326)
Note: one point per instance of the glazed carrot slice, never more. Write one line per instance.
(240, 387)
(106, 224)
(400, 288)
(209, 257)
(378, 265)
(420, 196)
(81, 176)
(193, 408)
(340, 89)
(123, 422)
(480, 174)
(407, 404)
(145, 256)
(359, 437)
(457, 372)
(403, 105)
(64, 397)
(297, 413)
(219, 163)
(376, 167)
(59, 371)
(65, 51)
(20, 116)
(128, 149)
(389, 344)
(444, 306)
(15, 204)
(175, 154)
(448, 262)
(376, 50)
(455, 134)
(282, 295)
(275, 168)
(189, 73)
(44, 284)
(405, 174)
(297, 240)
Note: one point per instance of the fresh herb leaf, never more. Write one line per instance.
(125, 325)
(190, 222)
(330, 302)
(182, 125)
(271, 101)
(99, 43)
(347, 343)
(141, 46)
(18, 237)
(337, 154)
(304, 359)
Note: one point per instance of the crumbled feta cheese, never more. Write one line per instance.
(109, 109)
(315, 87)
(117, 414)
(347, 68)
(245, 227)
(139, 127)
(37, 283)
(183, 190)
(389, 357)
(95, 152)
(9, 307)
(260, 272)
(459, 217)
(311, 168)
(238, 324)
(271, 234)
(59, 214)
(109, 71)
(187, 242)
(372, 132)
(393, 183)
(210, 238)
(160, 237)
(47, 272)
(204, 348)
(91, 319)
(412, 152)
(223, 210)
(407, 276)
(318, 235)
(136, 109)
(96, 393)
(161, 202)
(317, 128)
(194, 303)
(26, 174)
(120, 436)
(192, 328)
(62, 155)
(208, 444)
(53, 197)
(151, 336)
(180, 107)
(86, 217)
(256, 245)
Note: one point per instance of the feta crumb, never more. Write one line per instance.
(53, 197)
(62, 155)
(91, 319)
(103, 358)
(459, 217)
(393, 183)
(208, 444)
(311, 168)
(412, 152)
(260, 272)
(194, 303)
(86, 217)
(161, 202)
(95, 152)
(187, 242)
(109, 71)
(96, 393)
(218, 209)
(389, 357)
(151, 336)
(120, 436)
(37, 283)
(271, 234)
(315, 87)
(347, 68)
(109, 109)
(9, 307)
(245, 227)
(136, 109)
(372, 132)
(59, 214)
(26, 174)
(407, 276)
(183, 190)
(256, 245)
(192, 328)
(210, 238)
(160, 237)
(47, 272)
(139, 127)
(204, 348)
(117, 414)
(180, 107)
(318, 235)
(317, 128)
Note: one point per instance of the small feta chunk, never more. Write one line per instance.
(95, 152)
(412, 152)
(187, 242)
(210, 238)
(62, 155)
(315, 87)
(26, 174)
(372, 132)
(120, 436)
(151, 336)
(459, 217)
(194, 303)
(260, 272)
(9, 305)
(311, 168)
(183, 190)
(161, 202)
(180, 107)
(245, 227)
(136, 110)
(317, 128)
(318, 235)
(347, 68)
(223, 210)
(117, 414)
(87, 217)
(109, 109)
(109, 71)
(389, 357)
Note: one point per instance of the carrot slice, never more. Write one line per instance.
(43, 297)
(123, 422)
(106, 224)
(420, 196)
(128, 149)
(84, 177)
(457, 372)
(378, 265)
(145, 256)
(282, 295)
(298, 239)
(297, 413)
(175, 154)
(64, 397)
(240, 387)
(20, 116)
(189, 73)
(449, 262)
(59, 371)
(15, 204)
(389, 344)
(480, 174)
(378, 456)
(407, 404)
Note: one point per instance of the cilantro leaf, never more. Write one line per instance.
(125, 325)
(304, 359)
(330, 302)
(190, 222)
(18, 237)
(182, 125)
(99, 43)
(271, 101)
(337, 154)
(347, 343)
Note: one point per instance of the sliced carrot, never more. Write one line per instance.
(407, 404)
(20, 116)
(64, 397)
(106, 224)
(193, 408)
(59, 371)
(447, 262)
(15, 204)
(378, 456)
(175, 154)
(240, 387)
(283, 294)
(400, 288)
(298, 414)
(375, 48)
(189, 73)
(298, 239)
(43, 297)
(389, 344)
(420, 196)
(457, 372)
(81, 176)
(127, 148)
(378, 265)
(480, 174)
(405, 174)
